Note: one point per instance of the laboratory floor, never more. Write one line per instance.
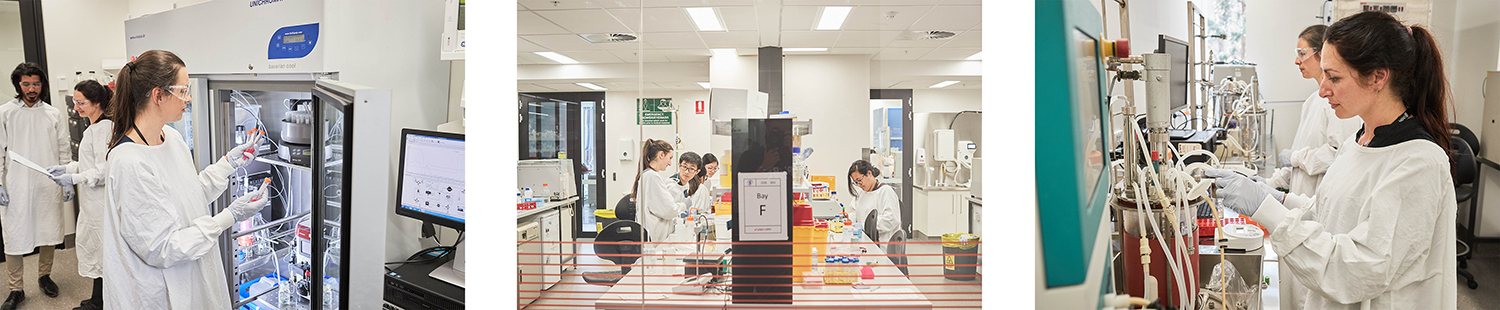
(1485, 266)
(571, 296)
(72, 287)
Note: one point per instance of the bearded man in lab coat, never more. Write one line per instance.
(32, 216)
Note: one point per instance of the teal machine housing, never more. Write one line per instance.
(1072, 138)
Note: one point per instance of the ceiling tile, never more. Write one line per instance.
(535, 59)
(539, 5)
(738, 18)
(594, 57)
(969, 2)
(809, 38)
(629, 56)
(561, 42)
(657, 19)
(619, 86)
(966, 39)
(863, 2)
(686, 55)
(625, 45)
(950, 54)
(529, 87)
(950, 18)
(731, 39)
(521, 59)
(566, 86)
(902, 53)
(799, 17)
(612, 4)
(918, 43)
(884, 17)
(585, 21)
(692, 3)
(866, 38)
(669, 40)
(530, 23)
(524, 46)
(854, 51)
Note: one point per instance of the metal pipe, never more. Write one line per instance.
(269, 225)
(247, 301)
(1158, 100)
(1131, 159)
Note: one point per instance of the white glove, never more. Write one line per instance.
(249, 204)
(243, 153)
(57, 170)
(1240, 193)
(64, 180)
(1285, 158)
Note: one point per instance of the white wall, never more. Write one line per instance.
(12, 49)
(73, 45)
(935, 109)
(827, 89)
(620, 123)
(139, 8)
(380, 44)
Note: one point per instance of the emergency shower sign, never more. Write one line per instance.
(653, 111)
(763, 206)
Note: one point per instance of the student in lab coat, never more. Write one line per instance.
(874, 197)
(1379, 233)
(90, 100)
(710, 178)
(34, 129)
(658, 200)
(691, 174)
(161, 244)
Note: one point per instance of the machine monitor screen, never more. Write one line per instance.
(1178, 49)
(431, 177)
(293, 39)
(1090, 114)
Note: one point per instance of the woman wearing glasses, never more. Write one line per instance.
(160, 242)
(873, 197)
(90, 100)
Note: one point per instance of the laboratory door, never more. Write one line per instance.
(569, 126)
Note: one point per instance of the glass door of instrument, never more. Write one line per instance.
(569, 126)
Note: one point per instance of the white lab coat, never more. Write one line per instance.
(658, 201)
(162, 242)
(39, 133)
(882, 199)
(1379, 232)
(88, 173)
(702, 198)
(1316, 141)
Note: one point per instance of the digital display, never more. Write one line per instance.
(433, 176)
(1090, 112)
(293, 39)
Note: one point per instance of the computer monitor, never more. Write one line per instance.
(430, 188)
(431, 177)
(1178, 49)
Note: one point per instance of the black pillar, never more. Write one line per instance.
(771, 77)
(762, 146)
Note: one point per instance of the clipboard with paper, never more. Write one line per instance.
(26, 162)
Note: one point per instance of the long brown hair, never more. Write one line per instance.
(154, 69)
(97, 94)
(1314, 37)
(1376, 40)
(649, 153)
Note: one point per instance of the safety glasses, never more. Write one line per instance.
(1304, 52)
(181, 91)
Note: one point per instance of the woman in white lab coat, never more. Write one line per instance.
(160, 243)
(658, 200)
(873, 197)
(1379, 231)
(710, 178)
(90, 100)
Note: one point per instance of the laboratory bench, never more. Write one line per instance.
(937, 210)
(890, 290)
(555, 223)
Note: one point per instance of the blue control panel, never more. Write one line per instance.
(293, 41)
